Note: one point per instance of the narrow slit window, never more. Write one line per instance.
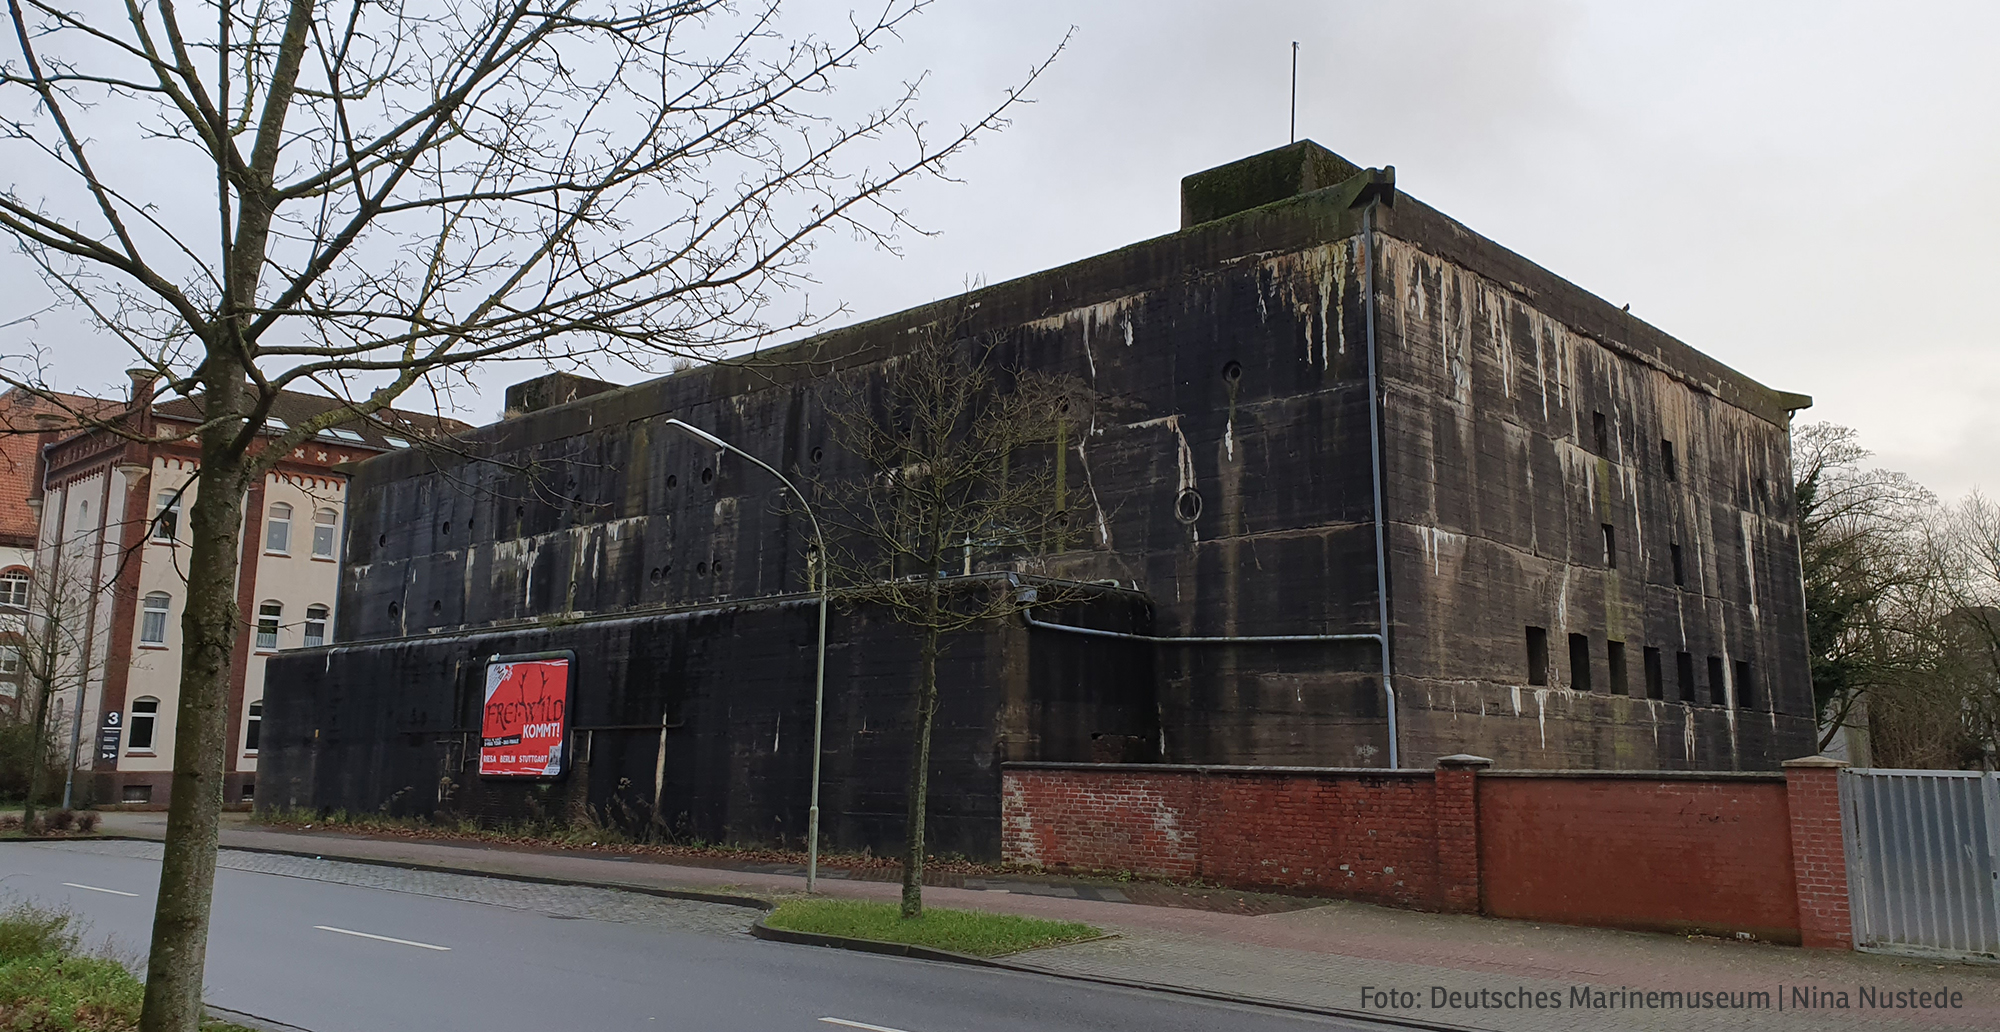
(1538, 655)
(1684, 669)
(1579, 662)
(1680, 572)
(1656, 681)
(1600, 433)
(1610, 547)
(1718, 691)
(1746, 689)
(1614, 654)
(1668, 464)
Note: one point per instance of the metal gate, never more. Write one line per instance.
(1923, 860)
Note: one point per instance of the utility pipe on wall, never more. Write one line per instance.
(1375, 461)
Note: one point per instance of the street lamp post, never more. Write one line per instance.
(819, 672)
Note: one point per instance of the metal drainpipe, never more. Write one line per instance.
(1375, 461)
(1028, 614)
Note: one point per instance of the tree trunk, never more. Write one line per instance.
(209, 628)
(920, 773)
(39, 759)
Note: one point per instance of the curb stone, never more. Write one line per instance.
(760, 930)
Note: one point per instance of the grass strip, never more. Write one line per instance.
(961, 931)
(47, 984)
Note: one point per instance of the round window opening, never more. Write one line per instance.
(395, 610)
(382, 540)
(673, 481)
(701, 569)
(816, 456)
(445, 527)
(707, 474)
(437, 607)
(1233, 372)
(1187, 508)
(520, 511)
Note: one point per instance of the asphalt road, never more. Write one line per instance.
(333, 957)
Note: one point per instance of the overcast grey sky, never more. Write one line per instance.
(1803, 190)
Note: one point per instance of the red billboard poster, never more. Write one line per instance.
(526, 719)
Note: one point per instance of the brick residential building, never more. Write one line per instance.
(111, 513)
(27, 422)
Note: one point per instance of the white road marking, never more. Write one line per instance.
(384, 938)
(94, 888)
(860, 1025)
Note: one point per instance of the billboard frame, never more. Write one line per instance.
(566, 741)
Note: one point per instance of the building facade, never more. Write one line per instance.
(28, 422)
(113, 542)
(1365, 485)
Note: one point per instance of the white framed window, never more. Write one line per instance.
(324, 522)
(10, 660)
(14, 589)
(153, 620)
(139, 733)
(269, 615)
(396, 442)
(315, 626)
(278, 529)
(341, 434)
(167, 516)
(253, 726)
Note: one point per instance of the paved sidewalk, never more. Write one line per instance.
(1321, 956)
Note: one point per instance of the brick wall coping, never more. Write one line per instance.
(1198, 768)
(1776, 777)
(1773, 776)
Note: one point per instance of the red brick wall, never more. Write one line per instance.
(1724, 854)
(1360, 834)
(1712, 855)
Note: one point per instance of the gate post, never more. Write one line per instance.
(1819, 853)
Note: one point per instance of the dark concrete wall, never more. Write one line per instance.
(713, 709)
(1499, 489)
(1228, 458)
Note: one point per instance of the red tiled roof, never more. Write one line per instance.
(21, 434)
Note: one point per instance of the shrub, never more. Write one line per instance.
(86, 821)
(62, 820)
(29, 931)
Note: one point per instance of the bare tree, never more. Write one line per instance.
(51, 645)
(364, 199)
(1902, 607)
(1859, 549)
(963, 468)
